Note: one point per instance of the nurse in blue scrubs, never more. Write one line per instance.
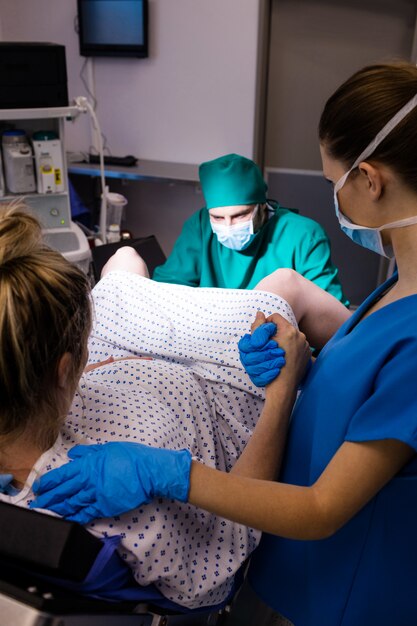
(340, 542)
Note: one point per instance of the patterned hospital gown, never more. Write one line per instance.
(192, 393)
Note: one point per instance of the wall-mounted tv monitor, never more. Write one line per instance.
(113, 28)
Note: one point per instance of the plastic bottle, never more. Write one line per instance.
(113, 233)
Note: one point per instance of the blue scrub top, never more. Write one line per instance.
(363, 387)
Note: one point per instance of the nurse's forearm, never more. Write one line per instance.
(277, 508)
(353, 477)
(263, 453)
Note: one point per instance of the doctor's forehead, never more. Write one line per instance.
(232, 211)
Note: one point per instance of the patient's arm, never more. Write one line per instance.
(318, 313)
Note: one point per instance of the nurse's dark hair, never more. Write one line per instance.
(44, 313)
(361, 107)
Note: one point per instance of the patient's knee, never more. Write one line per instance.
(282, 282)
(126, 259)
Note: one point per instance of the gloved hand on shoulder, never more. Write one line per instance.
(260, 355)
(110, 479)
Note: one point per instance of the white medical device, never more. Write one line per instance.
(2, 183)
(18, 162)
(48, 162)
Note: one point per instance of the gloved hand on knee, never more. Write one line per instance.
(260, 355)
(110, 479)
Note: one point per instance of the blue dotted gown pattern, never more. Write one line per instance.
(189, 391)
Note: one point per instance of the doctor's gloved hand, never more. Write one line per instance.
(260, 355)
(110, 479)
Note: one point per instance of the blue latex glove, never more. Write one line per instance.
(260, 355)
(5, 480)
(110, 479)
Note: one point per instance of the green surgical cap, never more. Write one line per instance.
(232, 180)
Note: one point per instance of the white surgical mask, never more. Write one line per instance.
(236, 236)
(371, 237)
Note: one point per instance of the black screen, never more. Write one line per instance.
(113, 27)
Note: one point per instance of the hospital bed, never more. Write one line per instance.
(42, 560)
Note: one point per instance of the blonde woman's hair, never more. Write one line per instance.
(44, 313)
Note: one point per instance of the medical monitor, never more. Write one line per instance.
(113, 28)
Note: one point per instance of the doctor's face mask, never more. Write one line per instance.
(236, 236)
(371, 237)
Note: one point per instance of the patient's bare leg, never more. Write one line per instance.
(127, 259)
(319, 314)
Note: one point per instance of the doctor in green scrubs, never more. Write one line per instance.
(240, 236)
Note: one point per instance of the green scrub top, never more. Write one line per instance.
(285, 240)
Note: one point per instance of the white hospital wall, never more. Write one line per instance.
(191, 100)
(195, 97)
